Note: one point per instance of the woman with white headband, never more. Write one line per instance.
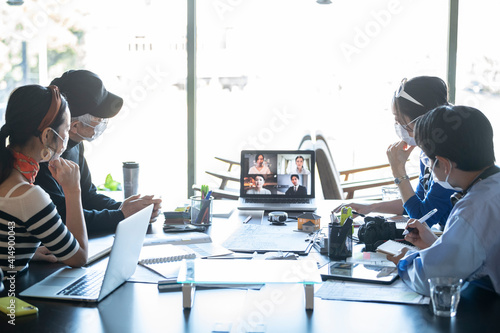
(412, 99)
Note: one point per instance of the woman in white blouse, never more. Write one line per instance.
(259, 186)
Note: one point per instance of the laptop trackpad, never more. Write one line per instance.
(57, 281)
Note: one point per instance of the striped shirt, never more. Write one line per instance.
(25, 222)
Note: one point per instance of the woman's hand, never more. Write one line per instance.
(66, 173)
(43, 254)
(398, 154)
(358, 208)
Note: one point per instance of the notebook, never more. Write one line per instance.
(92, 285)
(266, 180)
(165, 259)
(164, 253)
(393, 248)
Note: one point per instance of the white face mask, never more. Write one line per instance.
(445, 183)
(404, 135)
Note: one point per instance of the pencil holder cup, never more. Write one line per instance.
(340, 240)
(201, 210)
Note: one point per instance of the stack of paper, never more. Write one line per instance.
(397, 292)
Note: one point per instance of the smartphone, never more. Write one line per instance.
(16, 306)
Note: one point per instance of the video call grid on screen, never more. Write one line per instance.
(277, 169)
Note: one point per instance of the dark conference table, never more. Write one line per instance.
(139, 307)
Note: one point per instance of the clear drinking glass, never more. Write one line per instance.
(390, 193)
(445, 295)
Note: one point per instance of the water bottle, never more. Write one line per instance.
(130, 178)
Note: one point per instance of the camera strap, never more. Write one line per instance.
(485, 174)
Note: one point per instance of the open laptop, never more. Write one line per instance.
(92, 285)
(276, 168)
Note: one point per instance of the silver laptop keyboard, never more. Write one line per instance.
(87, 285)
(278, 200)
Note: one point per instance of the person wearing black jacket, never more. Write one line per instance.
(91, 106)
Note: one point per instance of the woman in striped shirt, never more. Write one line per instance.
(37, 121)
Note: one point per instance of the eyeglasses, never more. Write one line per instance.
(99, 121)
(407, 126)
(402, 93)
(65, 140)
(425, 160)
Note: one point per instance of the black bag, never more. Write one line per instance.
(375, 230)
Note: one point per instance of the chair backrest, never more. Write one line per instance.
(328, 174)
(306, 143)
(321, 137)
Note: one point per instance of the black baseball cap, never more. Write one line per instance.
(85, 93)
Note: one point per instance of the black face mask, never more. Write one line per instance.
(456, 197)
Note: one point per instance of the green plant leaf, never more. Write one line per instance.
(112, 185)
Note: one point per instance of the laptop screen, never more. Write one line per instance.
(277, 173)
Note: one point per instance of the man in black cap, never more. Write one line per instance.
(91, 106)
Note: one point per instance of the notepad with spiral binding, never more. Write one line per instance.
(157, 254)
(393, 248)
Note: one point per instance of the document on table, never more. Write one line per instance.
(397, 292)
(209, 250)
(182, 238)
(268, 238)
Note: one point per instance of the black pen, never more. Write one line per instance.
(362, 215)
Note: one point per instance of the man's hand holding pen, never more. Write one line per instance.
(421, 234)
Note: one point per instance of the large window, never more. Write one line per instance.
(268, 73)
(478, 61)
(138, 50)
(278, 69)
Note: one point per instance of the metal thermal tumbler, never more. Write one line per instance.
(130, 178)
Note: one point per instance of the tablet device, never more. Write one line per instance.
(359, 272)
